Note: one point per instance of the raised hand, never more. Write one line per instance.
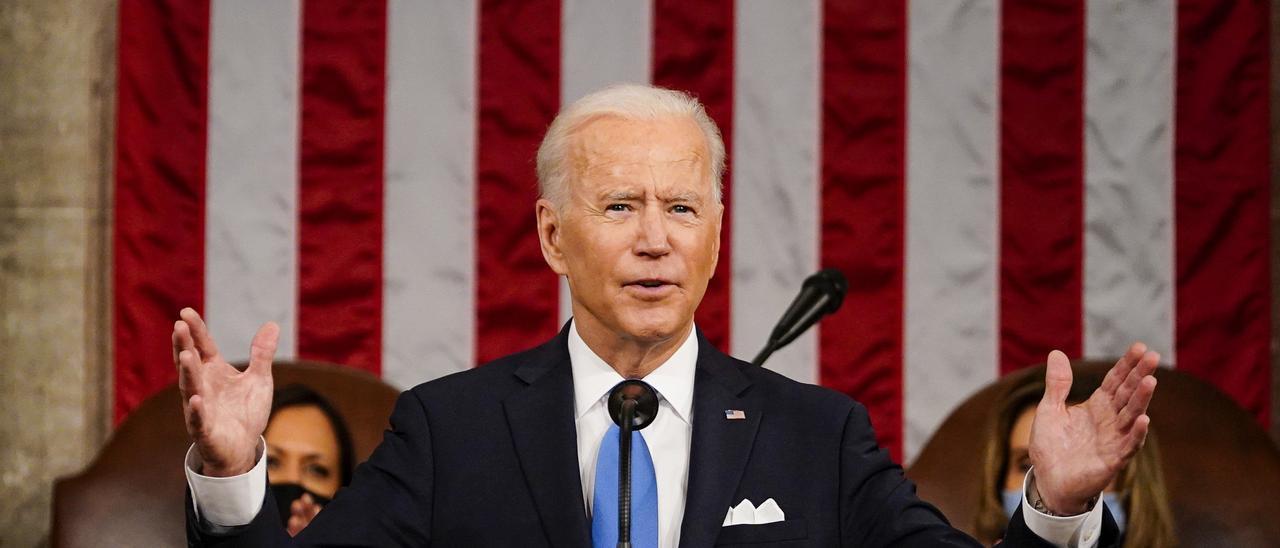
(301, 512)
(226, 409)
(1078, 450)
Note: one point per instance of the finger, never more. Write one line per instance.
(181, 339)
(1115, 377)
(195, 416)
(263, 348)
(296, 525)
(200, 332)
(1144, 368)
(1137, 404)
(1138, 434)
(190, 381)
(1057, 379)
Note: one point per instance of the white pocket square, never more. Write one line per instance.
(746, 513)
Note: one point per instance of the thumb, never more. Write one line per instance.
(1057, 379)
(263, 348)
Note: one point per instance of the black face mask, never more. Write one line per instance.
(286, 493)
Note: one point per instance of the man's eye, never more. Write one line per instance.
(679, 208)
(617, 207)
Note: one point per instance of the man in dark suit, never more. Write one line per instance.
(511, 453)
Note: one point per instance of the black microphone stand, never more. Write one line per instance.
(633, 404)
(764, 353)
(822, 293)
(624, 474)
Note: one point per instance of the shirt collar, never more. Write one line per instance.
(592, 377)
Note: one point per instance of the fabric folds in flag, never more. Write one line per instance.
(996, 178)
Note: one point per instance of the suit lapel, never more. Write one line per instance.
(721, 447)
(542, 428)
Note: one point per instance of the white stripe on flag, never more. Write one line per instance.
(429, 235)
(252, 187)
(602, 43)
(950, 345)
(1128, 240)
(775, 174)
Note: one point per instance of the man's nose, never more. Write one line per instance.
(652, 239)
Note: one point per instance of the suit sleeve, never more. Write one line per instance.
(387, 504)
(879, 506)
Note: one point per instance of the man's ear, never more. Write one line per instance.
(715, 252)
(549, 227)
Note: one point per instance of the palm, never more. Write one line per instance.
(1077, 450)
(226, 409)
(233, 403)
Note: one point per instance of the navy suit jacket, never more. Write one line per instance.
(488, 457)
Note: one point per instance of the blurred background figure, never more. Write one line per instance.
(1137, 499)
(309, 454)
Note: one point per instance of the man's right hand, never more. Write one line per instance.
(226, 409)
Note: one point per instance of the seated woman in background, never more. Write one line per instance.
(309, 454)
(1137, 499)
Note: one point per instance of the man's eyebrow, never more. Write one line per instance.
(690, 197)
(629, 195)
(620, 195)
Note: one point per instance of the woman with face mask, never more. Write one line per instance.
(309, 454)
(1137, 498)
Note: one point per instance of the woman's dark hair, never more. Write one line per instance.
(297, 395)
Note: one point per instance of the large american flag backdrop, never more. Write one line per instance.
(996, 178)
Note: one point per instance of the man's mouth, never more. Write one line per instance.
(650, 283)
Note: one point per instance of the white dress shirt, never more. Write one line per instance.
(668, 437)
(233, 501)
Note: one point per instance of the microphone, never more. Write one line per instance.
(821, 294)
(644, 398)
(633, 404)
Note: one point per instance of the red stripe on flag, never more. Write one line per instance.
(693, 52)
(517, 295)
(863, 177)
(160, 187)
(1041, 180)
(340, 182)
(1221, 198)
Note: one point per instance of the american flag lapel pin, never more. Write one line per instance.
(734, 414)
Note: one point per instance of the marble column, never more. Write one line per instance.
(57, 89)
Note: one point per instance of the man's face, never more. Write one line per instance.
(638, 236)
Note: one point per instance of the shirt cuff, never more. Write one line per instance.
(231, 501)
(1078, 531)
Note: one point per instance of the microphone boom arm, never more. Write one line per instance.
(821, 294)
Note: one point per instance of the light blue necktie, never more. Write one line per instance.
(644, 494)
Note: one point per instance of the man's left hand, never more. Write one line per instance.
(1078, 450)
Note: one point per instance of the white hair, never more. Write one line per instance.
(629, 102)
